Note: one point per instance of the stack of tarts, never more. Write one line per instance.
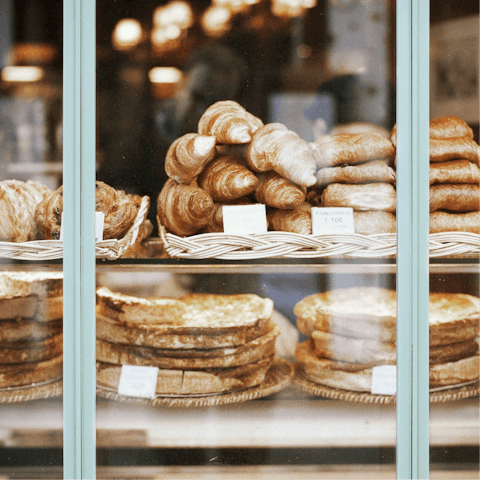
(202, 344)
(352, 330)
(31, 339)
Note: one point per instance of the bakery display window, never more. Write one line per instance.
(267, 216)
(31, 285)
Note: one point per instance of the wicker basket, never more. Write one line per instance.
(41, 250)
(293, 245)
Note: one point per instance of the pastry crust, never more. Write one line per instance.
(31, 351)
(374, 222)
(18, 201)
(276, 191)
(455, 222)
(352, 149)
(369, 172)
(454, 172)
(360, 197)
(17, 375)
(298, 220)
(119, 208)
(445, 149)
(455, 198)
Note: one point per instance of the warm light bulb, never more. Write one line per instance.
(22, 74)
(165, 75)
(127, 34)
(215, 21)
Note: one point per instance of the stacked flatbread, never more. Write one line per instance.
(31, 340)
(355, 170)
(201, 343)
(454, 177)
(352, 330)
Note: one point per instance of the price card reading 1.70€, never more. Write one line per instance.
(332, 220)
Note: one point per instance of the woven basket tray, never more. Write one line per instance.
(41, 250)
(293, 245)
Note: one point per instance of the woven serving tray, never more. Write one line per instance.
(37, 391)
(293, 245)
(41, 250)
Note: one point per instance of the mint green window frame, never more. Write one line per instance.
(79, 252)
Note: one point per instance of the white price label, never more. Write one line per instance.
(138, 381)
(99, 223)
(244, 219)
(384, 380)
(332, 220)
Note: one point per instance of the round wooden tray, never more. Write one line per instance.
(278, 377)
(53, 388)
(454, 393)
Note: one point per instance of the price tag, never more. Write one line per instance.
(384, 380)
(138, 381)
(332, 220)
(244, 219)
(99, 223)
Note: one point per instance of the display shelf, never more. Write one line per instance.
(289, 419)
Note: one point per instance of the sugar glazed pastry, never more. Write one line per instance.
(18, 201)
(119, 208)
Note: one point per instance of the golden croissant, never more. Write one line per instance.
(183, 209)
(188, 155)
(120, 210)
(298, 220)
(444, 149)
(18, 201)
(276, 191)
(229, 122)
(274, 147)
(226, 178)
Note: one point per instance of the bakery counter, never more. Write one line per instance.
(289, 419)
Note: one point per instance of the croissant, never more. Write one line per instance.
(354, 148)
(188, 155)
(368, 172)
(119, 208)
(455, 198)
(226, 178)
(444, 149)
(373, 222)
(274, 147)
(443, 127)
(454, 171)
(183, 209)
(276, 191)
(216, 222)
(18, 201)
(298, 220)
(229, 122)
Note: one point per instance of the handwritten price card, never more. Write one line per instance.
(244, 219)
(332, 220)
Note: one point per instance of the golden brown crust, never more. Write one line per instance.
(372, 222)
(360, 197)
(18, 201)
(253, 351)
(195, 382)
(298, 220)
(455, 198)
(31, 351)
(229, 122)
(274, 147)
(454, 171)
(183, 209)
(119, 208)
(445, 149)
(352, 149)
(17, 375)
(276, 191)
(188, 155)
(226, 179)
(455, 222)
(369, 172)
(25, 330)
(22, 284)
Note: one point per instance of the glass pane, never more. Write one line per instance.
(454, 287)
(31, 293)
(278, 358)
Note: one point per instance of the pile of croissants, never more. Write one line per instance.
(236, 159)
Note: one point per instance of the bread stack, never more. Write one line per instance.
(31, 340)
(355, 170)
(235, 159)
(454, 177)
(201, 343)
(352, 330)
